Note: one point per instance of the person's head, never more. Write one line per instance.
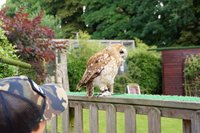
(24, 106)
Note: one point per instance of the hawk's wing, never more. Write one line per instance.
(94, 67)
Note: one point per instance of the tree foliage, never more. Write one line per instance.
(70, 12)
(190, 34)
(33, 8)
(32, 40)
(162, 22)
(156, 22)
(143, 68)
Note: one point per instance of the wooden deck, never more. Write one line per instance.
(154, 108)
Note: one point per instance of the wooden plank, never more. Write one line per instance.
(63, 63)
(54, 125)
(78, 127)
(154, 121)
(65, 121)
(94, 126)
(71, 119)
(111, 119)
(195, 122)
(186, 126)
(137, 101)
(165, 112)
(176, 113)
(130, 119)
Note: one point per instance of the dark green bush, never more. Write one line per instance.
(143, 68)
(121, 82)
(31, 39)
(77, 59)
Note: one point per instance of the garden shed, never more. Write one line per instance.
(172, 68)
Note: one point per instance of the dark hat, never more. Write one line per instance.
(49, 99)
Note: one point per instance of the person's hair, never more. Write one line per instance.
(17, 114)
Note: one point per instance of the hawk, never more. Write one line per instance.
(102, 68)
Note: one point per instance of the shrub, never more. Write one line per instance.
(121, 82)
(33, 7)
(192, 75)
(192, 67)
(143, 68)
(77, 59)
(6, 50)
(31, 40)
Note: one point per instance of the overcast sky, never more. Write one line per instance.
(2, 2)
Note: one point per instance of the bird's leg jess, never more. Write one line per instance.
(104, 92)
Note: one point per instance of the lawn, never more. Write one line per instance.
(168, 125)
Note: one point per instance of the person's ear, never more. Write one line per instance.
(39, 128)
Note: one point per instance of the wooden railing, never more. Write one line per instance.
(188, 111)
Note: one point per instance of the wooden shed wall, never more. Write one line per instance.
(173, 65)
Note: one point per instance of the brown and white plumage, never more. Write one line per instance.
(102, 68)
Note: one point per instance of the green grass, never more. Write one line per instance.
(168, 125)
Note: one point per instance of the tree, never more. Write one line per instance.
(107, 19)
(156, 22)
(34, 7)
(70, 12)
(33, 41)
(190, 34)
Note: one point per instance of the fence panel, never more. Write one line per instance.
(188, 111)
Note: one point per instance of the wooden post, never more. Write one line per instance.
(195, 122)
(94, 126)
(186, 126)
(63, 63)
(65, 121)
(71, 120)
(130, 119)
(111, 119)
(54, 125)
(62, 79)
(154, 121)
(78, 119)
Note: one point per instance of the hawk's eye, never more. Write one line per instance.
(121, 52)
